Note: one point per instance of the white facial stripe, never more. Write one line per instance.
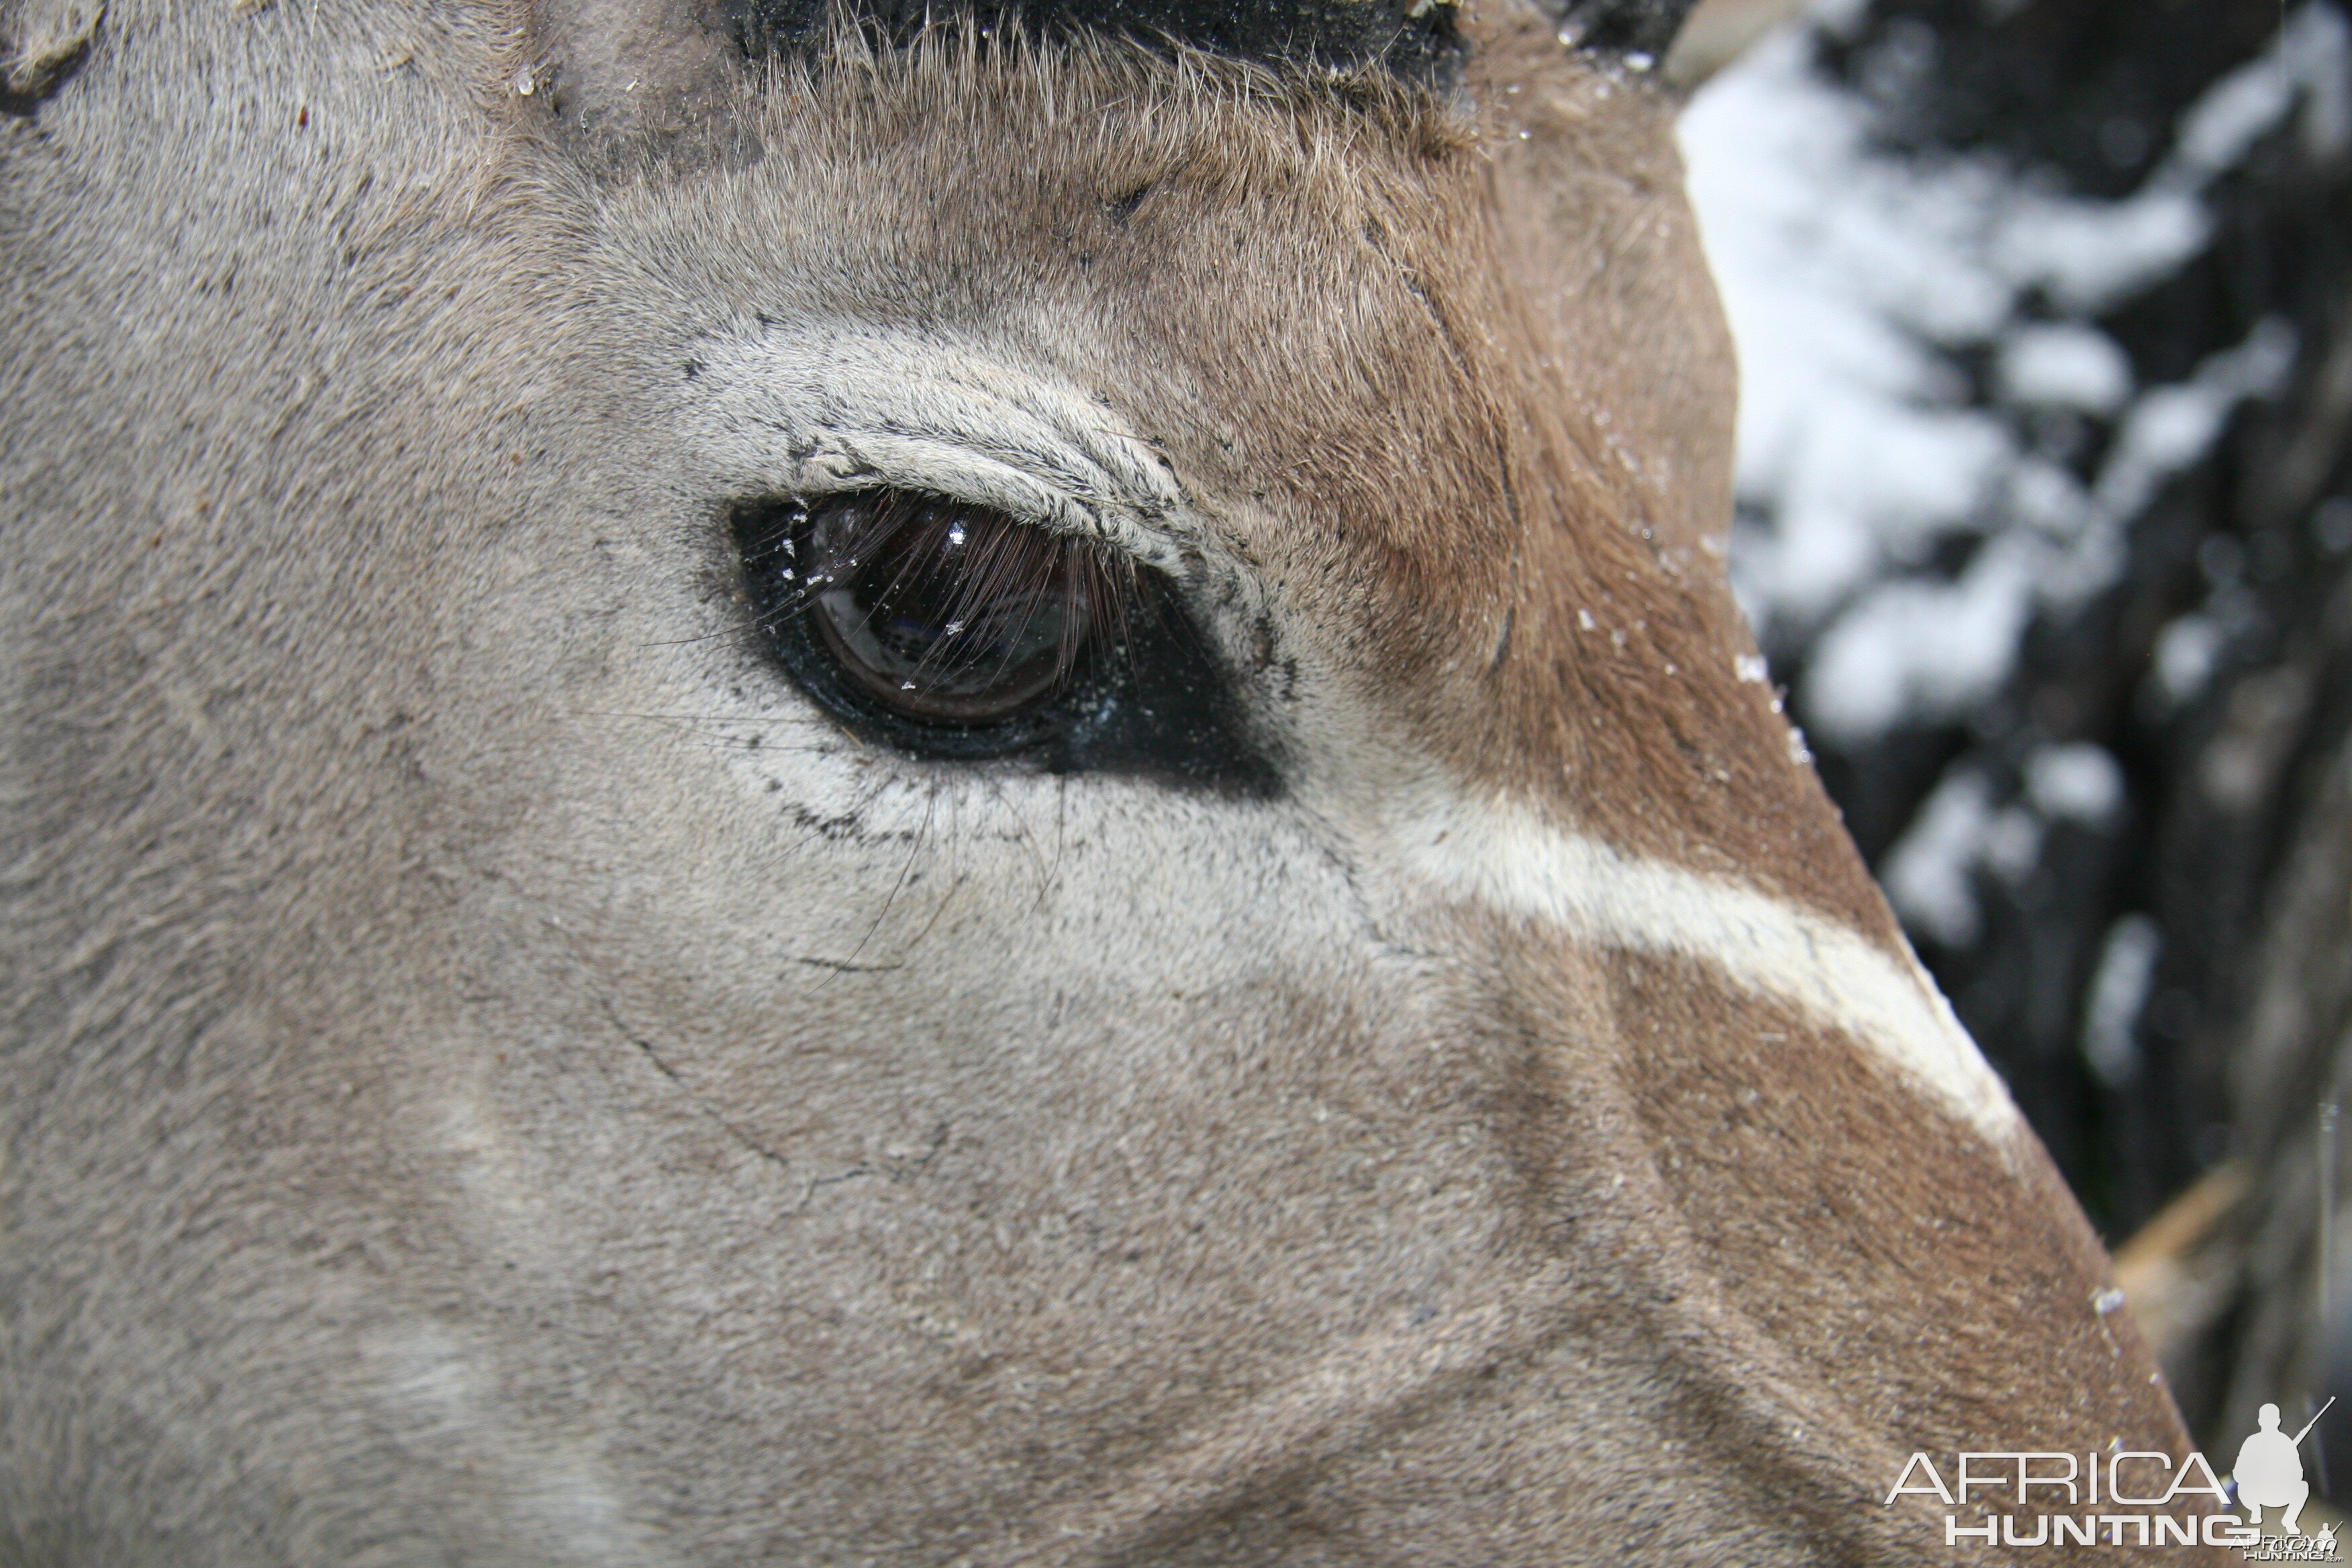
(1504, 856)
(812, 410)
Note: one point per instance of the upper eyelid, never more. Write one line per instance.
(856, 460)
(814, 412)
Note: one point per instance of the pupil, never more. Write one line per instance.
(945, 611)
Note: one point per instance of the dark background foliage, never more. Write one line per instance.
(2233, 814)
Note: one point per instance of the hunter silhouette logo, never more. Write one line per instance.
(2270, 1470)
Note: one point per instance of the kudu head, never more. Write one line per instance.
(923, 789)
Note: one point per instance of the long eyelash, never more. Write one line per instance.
(885, 519)
(777, 537)
(1012, 566)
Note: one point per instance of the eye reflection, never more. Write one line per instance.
(945, 611)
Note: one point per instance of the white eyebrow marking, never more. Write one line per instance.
(812, 409)
(1504, 856)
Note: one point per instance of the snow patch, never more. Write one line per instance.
(1918, 650)
(1850, 271)
(2187, 651)
(1914, 649)
(1929, 875)
(2172, 428)
(2079, 783)
(2088, 256)
(2066, 365)
(2118, 995)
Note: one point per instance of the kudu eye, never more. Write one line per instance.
(951, 627)
(952, 632)
(941, 612)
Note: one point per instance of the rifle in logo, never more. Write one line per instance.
(2269, 1473)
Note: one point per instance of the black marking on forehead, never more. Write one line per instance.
(1415, 38)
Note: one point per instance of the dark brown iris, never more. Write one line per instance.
(945, 611)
